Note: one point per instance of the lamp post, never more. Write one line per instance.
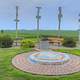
(59, 20)
(38, 17)
(17, 21)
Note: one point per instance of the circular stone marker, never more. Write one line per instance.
(34, 62)
(49, 57)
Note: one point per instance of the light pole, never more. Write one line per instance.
(16, 20)
(59, 20)
(38, 17)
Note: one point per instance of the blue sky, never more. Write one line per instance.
(49, 12)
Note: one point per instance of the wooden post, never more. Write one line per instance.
(16, 20)
(38, 17)
(59, 20)
(79, 32)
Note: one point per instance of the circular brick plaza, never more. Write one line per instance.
(21, 62)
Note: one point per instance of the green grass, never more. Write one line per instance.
(33, 33)
(70, 51)
(8, 72)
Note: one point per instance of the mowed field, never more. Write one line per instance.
(33, 33)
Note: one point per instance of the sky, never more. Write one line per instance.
(49, 13)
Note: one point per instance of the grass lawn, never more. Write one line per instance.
(33, 33)
(8, 72)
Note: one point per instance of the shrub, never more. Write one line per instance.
(27, 43)
(5, 41)
(69, 42)
(2, 31)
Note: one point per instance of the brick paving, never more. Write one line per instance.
(21, 62)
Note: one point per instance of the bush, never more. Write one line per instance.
(2, 31)
(27, 43)
(5, 41)
(69, 42)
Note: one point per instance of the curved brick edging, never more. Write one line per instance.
(21, 62)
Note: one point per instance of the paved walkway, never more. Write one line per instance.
(21, 62)
(44, 45)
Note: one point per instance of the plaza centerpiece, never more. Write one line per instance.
(49, 57)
